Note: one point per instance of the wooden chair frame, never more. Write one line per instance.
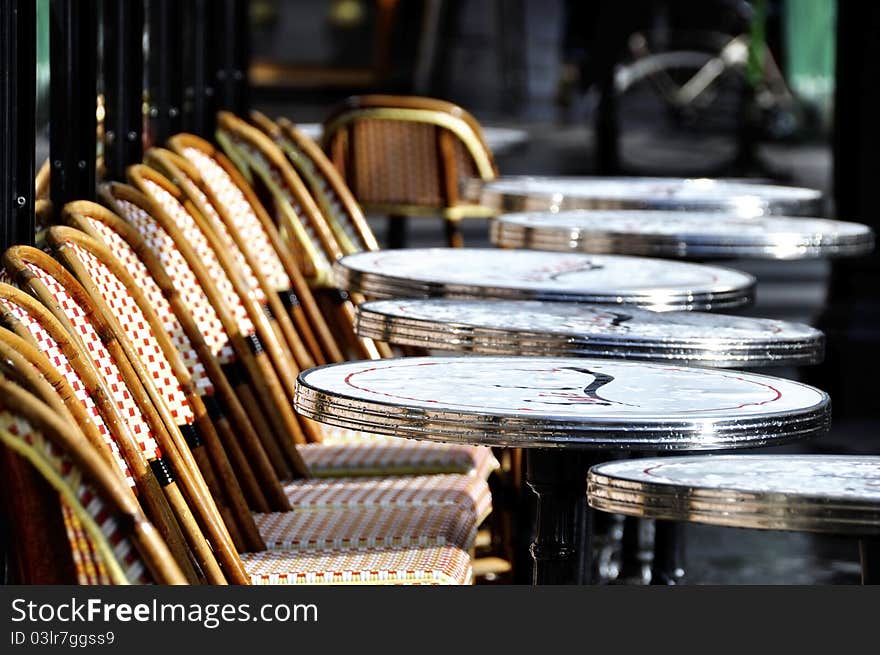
(75, 248)
(453, 124)
(269, 399)
(304, 312)
(71, 442)
(188, 179)
(240, 429)
(350, 226)
(280, 360)
(192, 502)
(153, 495)
(265, 159)
(211, 458)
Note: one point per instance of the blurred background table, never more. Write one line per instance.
(533, 193)
(678, 234)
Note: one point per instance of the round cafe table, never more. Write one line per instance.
(567, 413)
(675, 234)
(531, 275)
(530, 327)
(527, 327)
(525, 193)
(831, 494)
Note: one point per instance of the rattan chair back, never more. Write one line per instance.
(183, 220)
(408, 156)
(333, 196)
(125, 443)
(241, 256)
(139, 331)
(254, 232)
(187, 322)
(108, 538)
(45, 278)
(192, 265)
(305, 225)
(300, 221)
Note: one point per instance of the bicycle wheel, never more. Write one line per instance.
(679, 112)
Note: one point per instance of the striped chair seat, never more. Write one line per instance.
(369, 527)
(467, 492)
(443, 565)
(397, 457)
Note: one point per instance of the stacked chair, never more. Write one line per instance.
(156, 341)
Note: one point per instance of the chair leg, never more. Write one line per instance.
(396, 235)
(454, 237)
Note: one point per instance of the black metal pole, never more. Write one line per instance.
(123, 85)
(18, 69)
(165, 73)
(199, 71)
(233, 56)
(72, 122)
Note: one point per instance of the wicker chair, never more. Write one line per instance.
(207, 255)
(84, 526)
(108, 298)
(378, 456)
(89, 259)
(468, 491)
(248, 223)
(71, 519)
(188, 179)
(337, 203)
(304, 227)
(160, 445)
(374, 457)
(207, 355)
(123, 443)
(407, 156)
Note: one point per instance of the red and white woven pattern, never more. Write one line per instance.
(243, 217)
(368, 527)
(333, 435)
(226, 238)
(139, 333)
(206, 255)
(200, 308)
(393, 458)
(467, 492)
(393, 566)
(326, 195)
(280, 187)
(153, 295)
(50, 348)
(89, 567)
(104, 362)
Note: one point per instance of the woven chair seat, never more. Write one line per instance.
(368, 527)
(396, 457)
(442, 565)
(467, 492)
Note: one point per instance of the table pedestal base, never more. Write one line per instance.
(561, 547)
(869, 554)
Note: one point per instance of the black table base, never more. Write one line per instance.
(869, 554)
(561, 549)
